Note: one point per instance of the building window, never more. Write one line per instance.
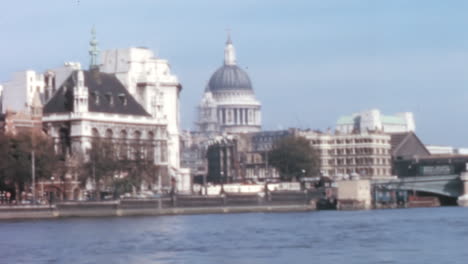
(95, 97)
(109, 134)
(163, 151)
(110, 98)
(95, 133)
(123, 99)
(123, 145)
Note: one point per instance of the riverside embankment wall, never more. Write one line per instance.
(279, 202)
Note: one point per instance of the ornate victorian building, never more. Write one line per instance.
(94, 105)
(229, 104)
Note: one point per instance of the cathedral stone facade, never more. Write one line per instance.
(229, 104)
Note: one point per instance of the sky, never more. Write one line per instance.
(310, 61)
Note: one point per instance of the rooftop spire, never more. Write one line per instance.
(93, 50)
(229, 51)
(228, 41)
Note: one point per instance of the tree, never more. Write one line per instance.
(139, 166)
(16, 156)
(120, 166)
(294, 157)
(101, 165)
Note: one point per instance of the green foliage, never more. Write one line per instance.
(119, 166)
(16, 156)
(293, 157)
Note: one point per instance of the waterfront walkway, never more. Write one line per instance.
(284, 202)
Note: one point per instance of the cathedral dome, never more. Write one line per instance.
(229, 104)
(229, 77)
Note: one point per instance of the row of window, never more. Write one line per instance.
(358, 161)
(95, 97)
(358, 151)
(360, 171)
(133, 152)
(123, 134)
(349, 141)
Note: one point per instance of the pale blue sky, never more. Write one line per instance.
(310, 61)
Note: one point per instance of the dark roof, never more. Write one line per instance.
(106, 95)
(407, 145)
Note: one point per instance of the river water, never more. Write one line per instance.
(424, 235)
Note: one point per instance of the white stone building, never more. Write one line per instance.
(443, 150)
(343, 155)
(20, 90)
(143, 77)
(229, 104)
(372, 120)
(90, 105)
(150, 81)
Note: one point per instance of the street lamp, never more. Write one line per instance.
(33, 174)
(33, 167)
(222, 182)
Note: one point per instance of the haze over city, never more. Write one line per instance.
(310, 61)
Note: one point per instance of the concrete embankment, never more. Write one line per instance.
(164, 206)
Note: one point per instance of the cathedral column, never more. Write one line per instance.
(247, 121)
(254, 116)
(241, 118)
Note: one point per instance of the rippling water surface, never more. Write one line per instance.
(430, 235)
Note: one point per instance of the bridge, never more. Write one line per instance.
(445, 185)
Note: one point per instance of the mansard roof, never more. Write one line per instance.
(106, 95)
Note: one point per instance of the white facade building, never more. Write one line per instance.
(343, 155)
(150, 81)
(19, 92)
(92, 105)
(372, 120)
(437, 149)
(229, 103)
(443, 150)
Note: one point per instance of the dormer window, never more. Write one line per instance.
(110, 98)
(95, 95)
(123, 99)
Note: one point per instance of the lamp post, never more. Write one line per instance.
(33, 166)
(222, 182)
(33, 173)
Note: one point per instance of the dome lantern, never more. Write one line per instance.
(229, 52)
